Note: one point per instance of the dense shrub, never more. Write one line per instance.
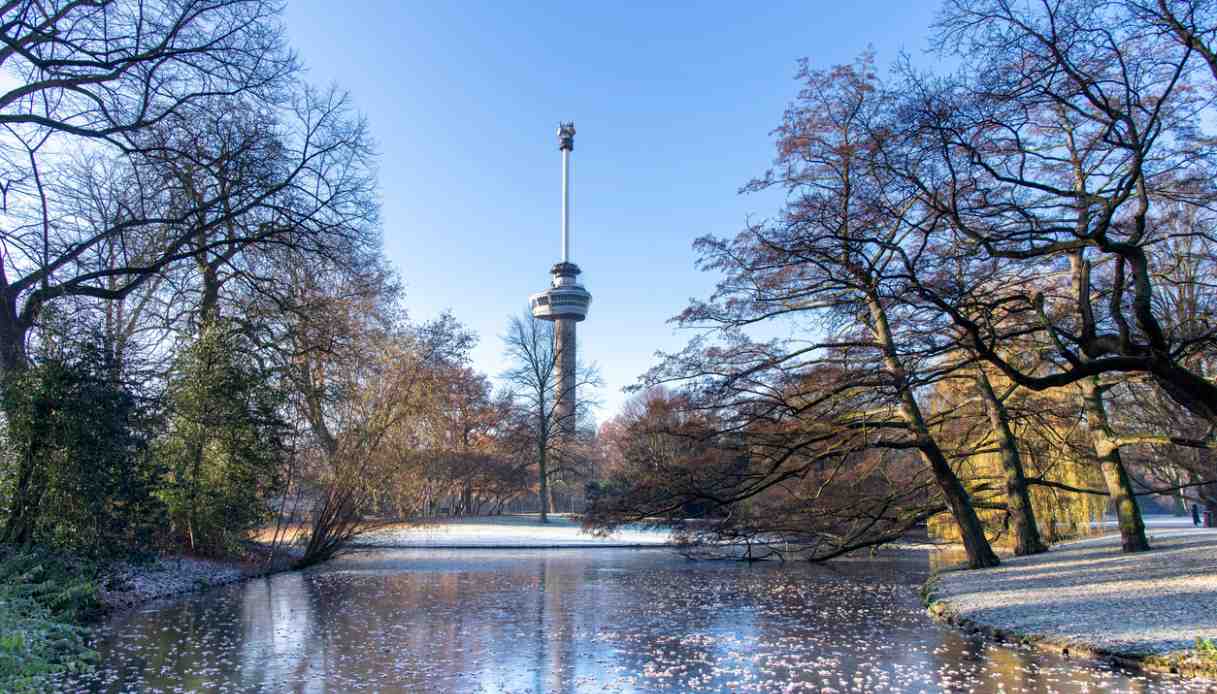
(43, 600)
(77, 473)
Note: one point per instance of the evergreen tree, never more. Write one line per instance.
(224, 445)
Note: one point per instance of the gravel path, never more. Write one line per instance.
(1090, 594)
(515, 532)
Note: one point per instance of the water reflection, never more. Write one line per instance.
(571, 621)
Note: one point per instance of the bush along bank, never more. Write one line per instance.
(45, 602)
(49, 600)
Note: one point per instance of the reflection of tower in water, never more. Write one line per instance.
(566, 301)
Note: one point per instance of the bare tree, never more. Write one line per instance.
(833, 262)
(87, 208)
(360, 374)
(533, 379)
(755, 488)
(1070, 124)
(107, 70)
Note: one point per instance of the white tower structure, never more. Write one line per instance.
(566, 301)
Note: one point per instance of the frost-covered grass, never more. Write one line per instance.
(514, 531)
(1088, 593)
(129, 584)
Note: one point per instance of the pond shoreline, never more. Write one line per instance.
(1085, 599)
(174, 575)
(391, 546)
(516, 531)
(182, 574)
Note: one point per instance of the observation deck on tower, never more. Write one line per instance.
(565, 299)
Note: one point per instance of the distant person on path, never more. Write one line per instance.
(1196, 515)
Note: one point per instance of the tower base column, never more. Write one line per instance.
(564, 348)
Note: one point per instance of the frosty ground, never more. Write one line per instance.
(1090, 595)
(128, 584)
(514, 532)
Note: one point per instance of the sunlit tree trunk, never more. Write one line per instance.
(971, 531)
(1119, 487)
(1018, 501)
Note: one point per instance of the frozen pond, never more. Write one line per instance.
(596, 621)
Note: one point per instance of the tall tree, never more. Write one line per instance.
(1018, 499)
(1069, 124)
(359, 373)
(102, 146)
(832, 265)
(532, 378)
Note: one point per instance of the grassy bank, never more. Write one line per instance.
(1152, 611)
(1200, 661)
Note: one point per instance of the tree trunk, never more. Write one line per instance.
(1132, 528)
(191, 510)
(12, 341)
(1018, 501)
(209, 303)
(976, 545)
(544, 474)
(1180, 503)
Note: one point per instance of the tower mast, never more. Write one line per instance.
(566, 143)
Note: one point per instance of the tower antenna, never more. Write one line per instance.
(566, 143)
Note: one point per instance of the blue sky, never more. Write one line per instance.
(673, 104)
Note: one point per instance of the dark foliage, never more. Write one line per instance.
(81, 475)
